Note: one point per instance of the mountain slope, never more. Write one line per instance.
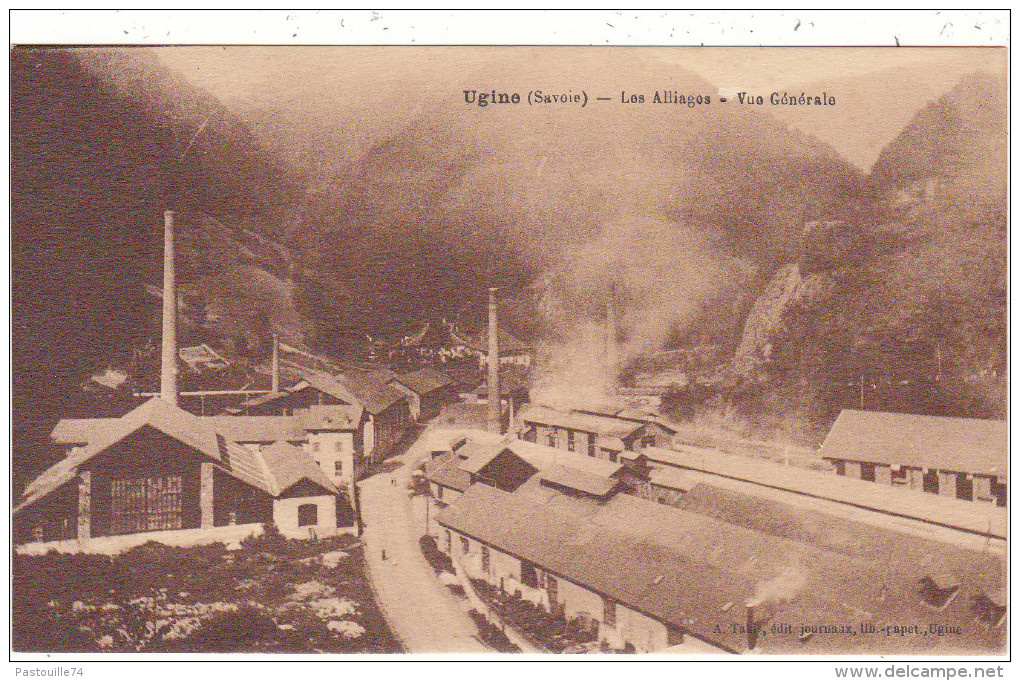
(96, 159)
(551, 202)
(915, 317)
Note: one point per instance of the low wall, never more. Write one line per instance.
(111, 546)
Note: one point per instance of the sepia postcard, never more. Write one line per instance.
(509, 350)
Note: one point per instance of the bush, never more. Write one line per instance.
(439, 561)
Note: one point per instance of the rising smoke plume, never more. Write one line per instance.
(783, 587)
(660, 275)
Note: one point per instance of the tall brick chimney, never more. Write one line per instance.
(494, 420)
(168, 365)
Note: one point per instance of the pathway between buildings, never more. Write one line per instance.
(420, 611)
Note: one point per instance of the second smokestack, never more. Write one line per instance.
(276, 364)
(495, 418)
(168, 364)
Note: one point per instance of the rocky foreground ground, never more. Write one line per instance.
(265, 595)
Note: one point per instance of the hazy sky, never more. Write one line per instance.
(375, 89)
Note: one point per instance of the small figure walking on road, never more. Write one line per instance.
(384, 554)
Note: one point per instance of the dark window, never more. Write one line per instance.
(338, 468)
(964, 487)
(899, 477)
(591, 446)
(449, 540)
(485, 559)
(648, 441)
(552, 587)
(840, 467)
(145, 504)
(550, 439)
(610, 454)
(570, 440)
(608, 612)
(930, 482)
(528, 575)
(307, 514)
(465, 545)
(868, 472)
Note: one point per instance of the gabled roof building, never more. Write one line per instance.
(960, 458)
(161, 469)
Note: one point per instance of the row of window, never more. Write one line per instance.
(962, 487)
(337, 446)
(530, 578)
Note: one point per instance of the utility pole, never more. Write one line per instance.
(862, 392)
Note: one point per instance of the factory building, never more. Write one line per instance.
(960, 458)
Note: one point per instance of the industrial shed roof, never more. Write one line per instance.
(193, 431)
(263, 429)
(477, 456)
(543, 457)
(287, 465)
(354, 387)
(698, 573)
(580, 481)
(984, 519)
(938, 442)
(370, 391)
(330, 417)
(444, 472)
(589, 423)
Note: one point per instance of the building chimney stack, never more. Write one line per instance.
(168, 367)
(276, 363)
(495, 419)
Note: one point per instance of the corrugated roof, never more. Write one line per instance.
(671, 478)
(967, 515)
(423, 381)
(581, 481)
(589, 423)
(288, 465)
(941, 442)
(698, 572)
